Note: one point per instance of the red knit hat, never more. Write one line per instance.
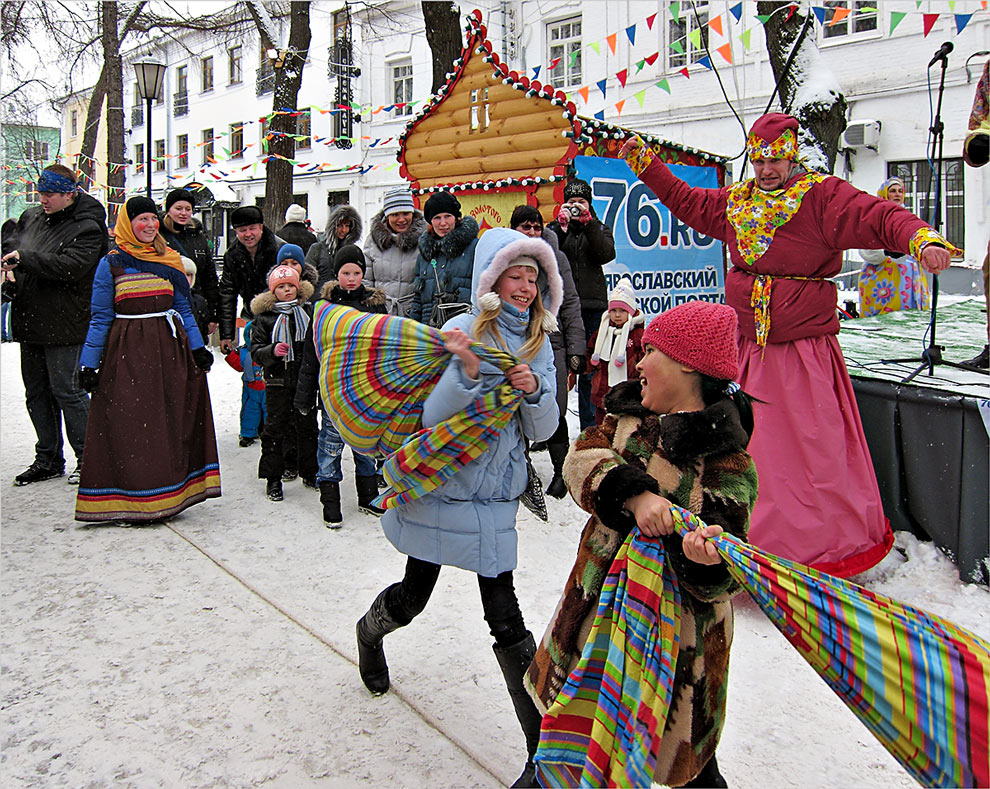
(699, 334)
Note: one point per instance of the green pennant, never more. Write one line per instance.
(675, 11)
(695, 37)
(639, 65)
(640, 97)
(574, 56)
(664, 85)
(952, 6)
(895, 20)
(596, 45)
(762, 18)
(745, 36)
(225, 152)
(678, 47)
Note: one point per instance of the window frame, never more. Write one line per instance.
(236, 137)
(692, 55)
(830, 36)
(917, 173)
(304, 127)
(406, 81)
(235, 63)
(159, 158)
(207, 141)
(206, 68)
(74, 123)
(181, 151)
(140, 158)
(564, 76)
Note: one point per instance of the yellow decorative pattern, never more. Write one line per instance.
(784, 147)
(925, 236)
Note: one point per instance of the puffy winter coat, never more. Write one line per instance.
(278, 372)
(58, 255)
(454, 257)
(190, 240)
(321, 254)
(588, 248)
(391, 259)
(697, 460)
(297, 233)
(246, 277)
(469, 521)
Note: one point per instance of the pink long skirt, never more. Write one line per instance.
(818, 503)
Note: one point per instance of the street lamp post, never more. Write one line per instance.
(150, 77)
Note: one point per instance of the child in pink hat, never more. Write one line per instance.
(616, 348)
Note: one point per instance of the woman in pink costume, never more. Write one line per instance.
(785, 230)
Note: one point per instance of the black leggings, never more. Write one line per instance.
(407, 599)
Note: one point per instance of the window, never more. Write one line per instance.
(234, 57)
(479, 109)
(304, 128)
(35, 150)
(919, 194)
(137, 110)
(264, 135)
(74, 122)
(207, 146)
(182, 151)
(159, 156)
(862, 17)
(139, 157)
(31, 194)
(207, 68)
(687, 36)
(237, 140)
(180, 101)
(402, 86)
(181, 79)
(564, 42)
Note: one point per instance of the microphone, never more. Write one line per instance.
(943, 53)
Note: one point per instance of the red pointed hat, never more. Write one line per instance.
(772, 125)
(774, 136)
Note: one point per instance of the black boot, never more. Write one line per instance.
(371, 629)
(367, 492)
(981, 360)
(273, 488)
(709, 777)
(557, 488)
(514, 661)
(330, 499)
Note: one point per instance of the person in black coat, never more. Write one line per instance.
(185, 235)
(52, 256)
(295, 230)
(246, 264)
(589, 245)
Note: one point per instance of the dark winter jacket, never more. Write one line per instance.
(278, 372)
(190, 240)
(309, 274)
(321, 255)
(361, 298)
(392, 259)
(54, 276)
(297, 233)
(454, 257)
(245, 277)
(571, 338)
(588, 248)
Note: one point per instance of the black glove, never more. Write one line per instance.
(575, 364)
(303, 409)
(203, 359)
(89, 378)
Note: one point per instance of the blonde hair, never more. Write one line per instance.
(487, 323)
(159, 244)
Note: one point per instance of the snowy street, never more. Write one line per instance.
(219, 649)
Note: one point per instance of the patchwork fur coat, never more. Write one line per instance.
(698, 461)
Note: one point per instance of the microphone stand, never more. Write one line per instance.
(932, 355)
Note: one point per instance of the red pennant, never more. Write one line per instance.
(651, 59)
(929, 22)
(622, 76)
(650, 20)
(685, 72)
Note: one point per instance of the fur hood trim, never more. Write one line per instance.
(374, 297)
(451, 245)
(384, 238)
(495, 253)
(343, 212)
(266, 300)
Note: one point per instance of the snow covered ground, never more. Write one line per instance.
(218, 649)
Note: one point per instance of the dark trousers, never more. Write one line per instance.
(278, 403)
(586, 409)
(407, 600)
(52, 393)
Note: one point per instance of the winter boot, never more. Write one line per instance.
(274, 490)
(557, 488)
(709, 777)
(330, 499)
(367, 491)
(514, 661)
(981, 361)
(371, 629)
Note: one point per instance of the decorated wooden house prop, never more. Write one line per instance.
(496, 138)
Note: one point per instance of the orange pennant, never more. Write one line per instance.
(583, 93)
(725, 51)
(839, 15)
(716, 25)
(619, 105)
(610, 40)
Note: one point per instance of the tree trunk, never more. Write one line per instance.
(115, 109)
(288, 78)
(443, 33)
(821, 111)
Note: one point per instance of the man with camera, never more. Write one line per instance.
(588, 245)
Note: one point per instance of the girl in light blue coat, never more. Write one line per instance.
(469, 521)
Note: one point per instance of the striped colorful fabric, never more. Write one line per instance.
(919, 683)
(603, 727)
(376, 371)
(139, 285)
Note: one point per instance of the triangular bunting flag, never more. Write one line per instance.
(838, 15)
(706, 62)
(583, 93)
(601, 86)
(553, 63)
(610, 40)
(790, 11)
(574, 57)
(952, 6)
(929, 22)
(664, 85)
(678, 47)
(716, 24)
(745, 37)
(961, 21)
(622, 76)
(536, 72)
(651, 59)
(641, 97)
(695, 37)
(652, 18)
(726, 52)
(619, 105)
(685, 72)
(736, 11)
(640, 65)
(596, 45)
(675, 11)
(631, 34)
(600, 115)
(895, 20)
(762, 18)
(820, 14)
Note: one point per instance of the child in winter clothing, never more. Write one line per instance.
(253, 410)
(676, 436)
(282, 317)
(616, 348)
(346, 288)
(197, 301)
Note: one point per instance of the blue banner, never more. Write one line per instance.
(667, 261)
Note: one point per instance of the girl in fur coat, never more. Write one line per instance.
(676, 436)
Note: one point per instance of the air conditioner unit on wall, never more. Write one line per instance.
(861, 134)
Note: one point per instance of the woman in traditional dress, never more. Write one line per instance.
(150, 447)
(890, 281)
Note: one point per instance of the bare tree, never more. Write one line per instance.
(443, 33)
(807, 89)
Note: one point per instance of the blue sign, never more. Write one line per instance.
(667, 261)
